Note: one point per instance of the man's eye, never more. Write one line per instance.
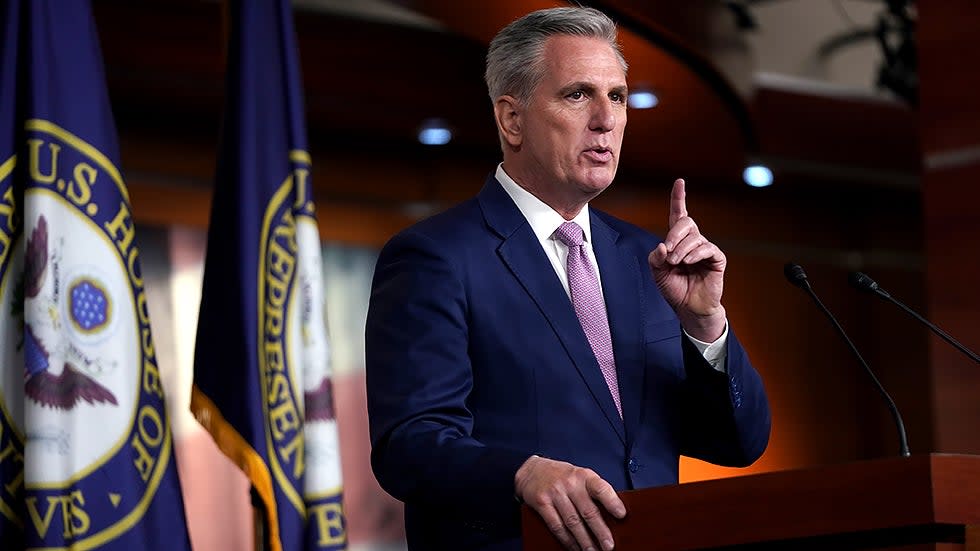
(617, 97)
(576, 95)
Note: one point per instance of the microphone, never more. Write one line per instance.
(864, 283)
(794, 274)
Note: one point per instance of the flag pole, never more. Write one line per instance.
(259, 519)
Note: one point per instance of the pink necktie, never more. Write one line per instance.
(588, 304)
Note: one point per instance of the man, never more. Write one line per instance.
(498, 369)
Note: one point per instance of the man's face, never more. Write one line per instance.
(572, 127)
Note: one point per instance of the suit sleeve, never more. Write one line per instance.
(726, 419)
(418, 379)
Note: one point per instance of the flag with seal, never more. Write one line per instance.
(262, 383)
(86, 451)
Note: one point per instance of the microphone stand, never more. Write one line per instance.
(936, 330)
(795, 274)
(865, 283)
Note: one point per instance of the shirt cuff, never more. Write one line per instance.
(714, 353)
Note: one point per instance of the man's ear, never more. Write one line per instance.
(508, 113)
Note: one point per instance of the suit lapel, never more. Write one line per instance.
(623, 295)
(522, 253)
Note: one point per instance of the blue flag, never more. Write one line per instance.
(86, 452)
(262, 383)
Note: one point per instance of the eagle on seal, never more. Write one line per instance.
(63, 390)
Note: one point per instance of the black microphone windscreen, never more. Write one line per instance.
(862, 282)
(794, 274)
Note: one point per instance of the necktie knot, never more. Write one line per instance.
(571, 234)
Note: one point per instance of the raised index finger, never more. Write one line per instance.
(678, 203)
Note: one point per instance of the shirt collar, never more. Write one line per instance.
(543, 219)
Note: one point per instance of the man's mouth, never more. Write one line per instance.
(599, 154)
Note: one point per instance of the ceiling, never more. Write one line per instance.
(373, 71)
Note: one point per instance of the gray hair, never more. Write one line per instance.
(515, 54)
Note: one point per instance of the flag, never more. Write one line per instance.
(86, 451)
(262, 382)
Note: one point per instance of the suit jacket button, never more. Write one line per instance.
(633, 465)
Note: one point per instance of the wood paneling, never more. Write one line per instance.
(950, 121)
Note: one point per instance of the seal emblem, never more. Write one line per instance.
(89, 400)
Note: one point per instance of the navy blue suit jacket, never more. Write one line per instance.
(476, 360)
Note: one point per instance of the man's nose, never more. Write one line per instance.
(603, 116)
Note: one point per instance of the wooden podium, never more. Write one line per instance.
(926, 502)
